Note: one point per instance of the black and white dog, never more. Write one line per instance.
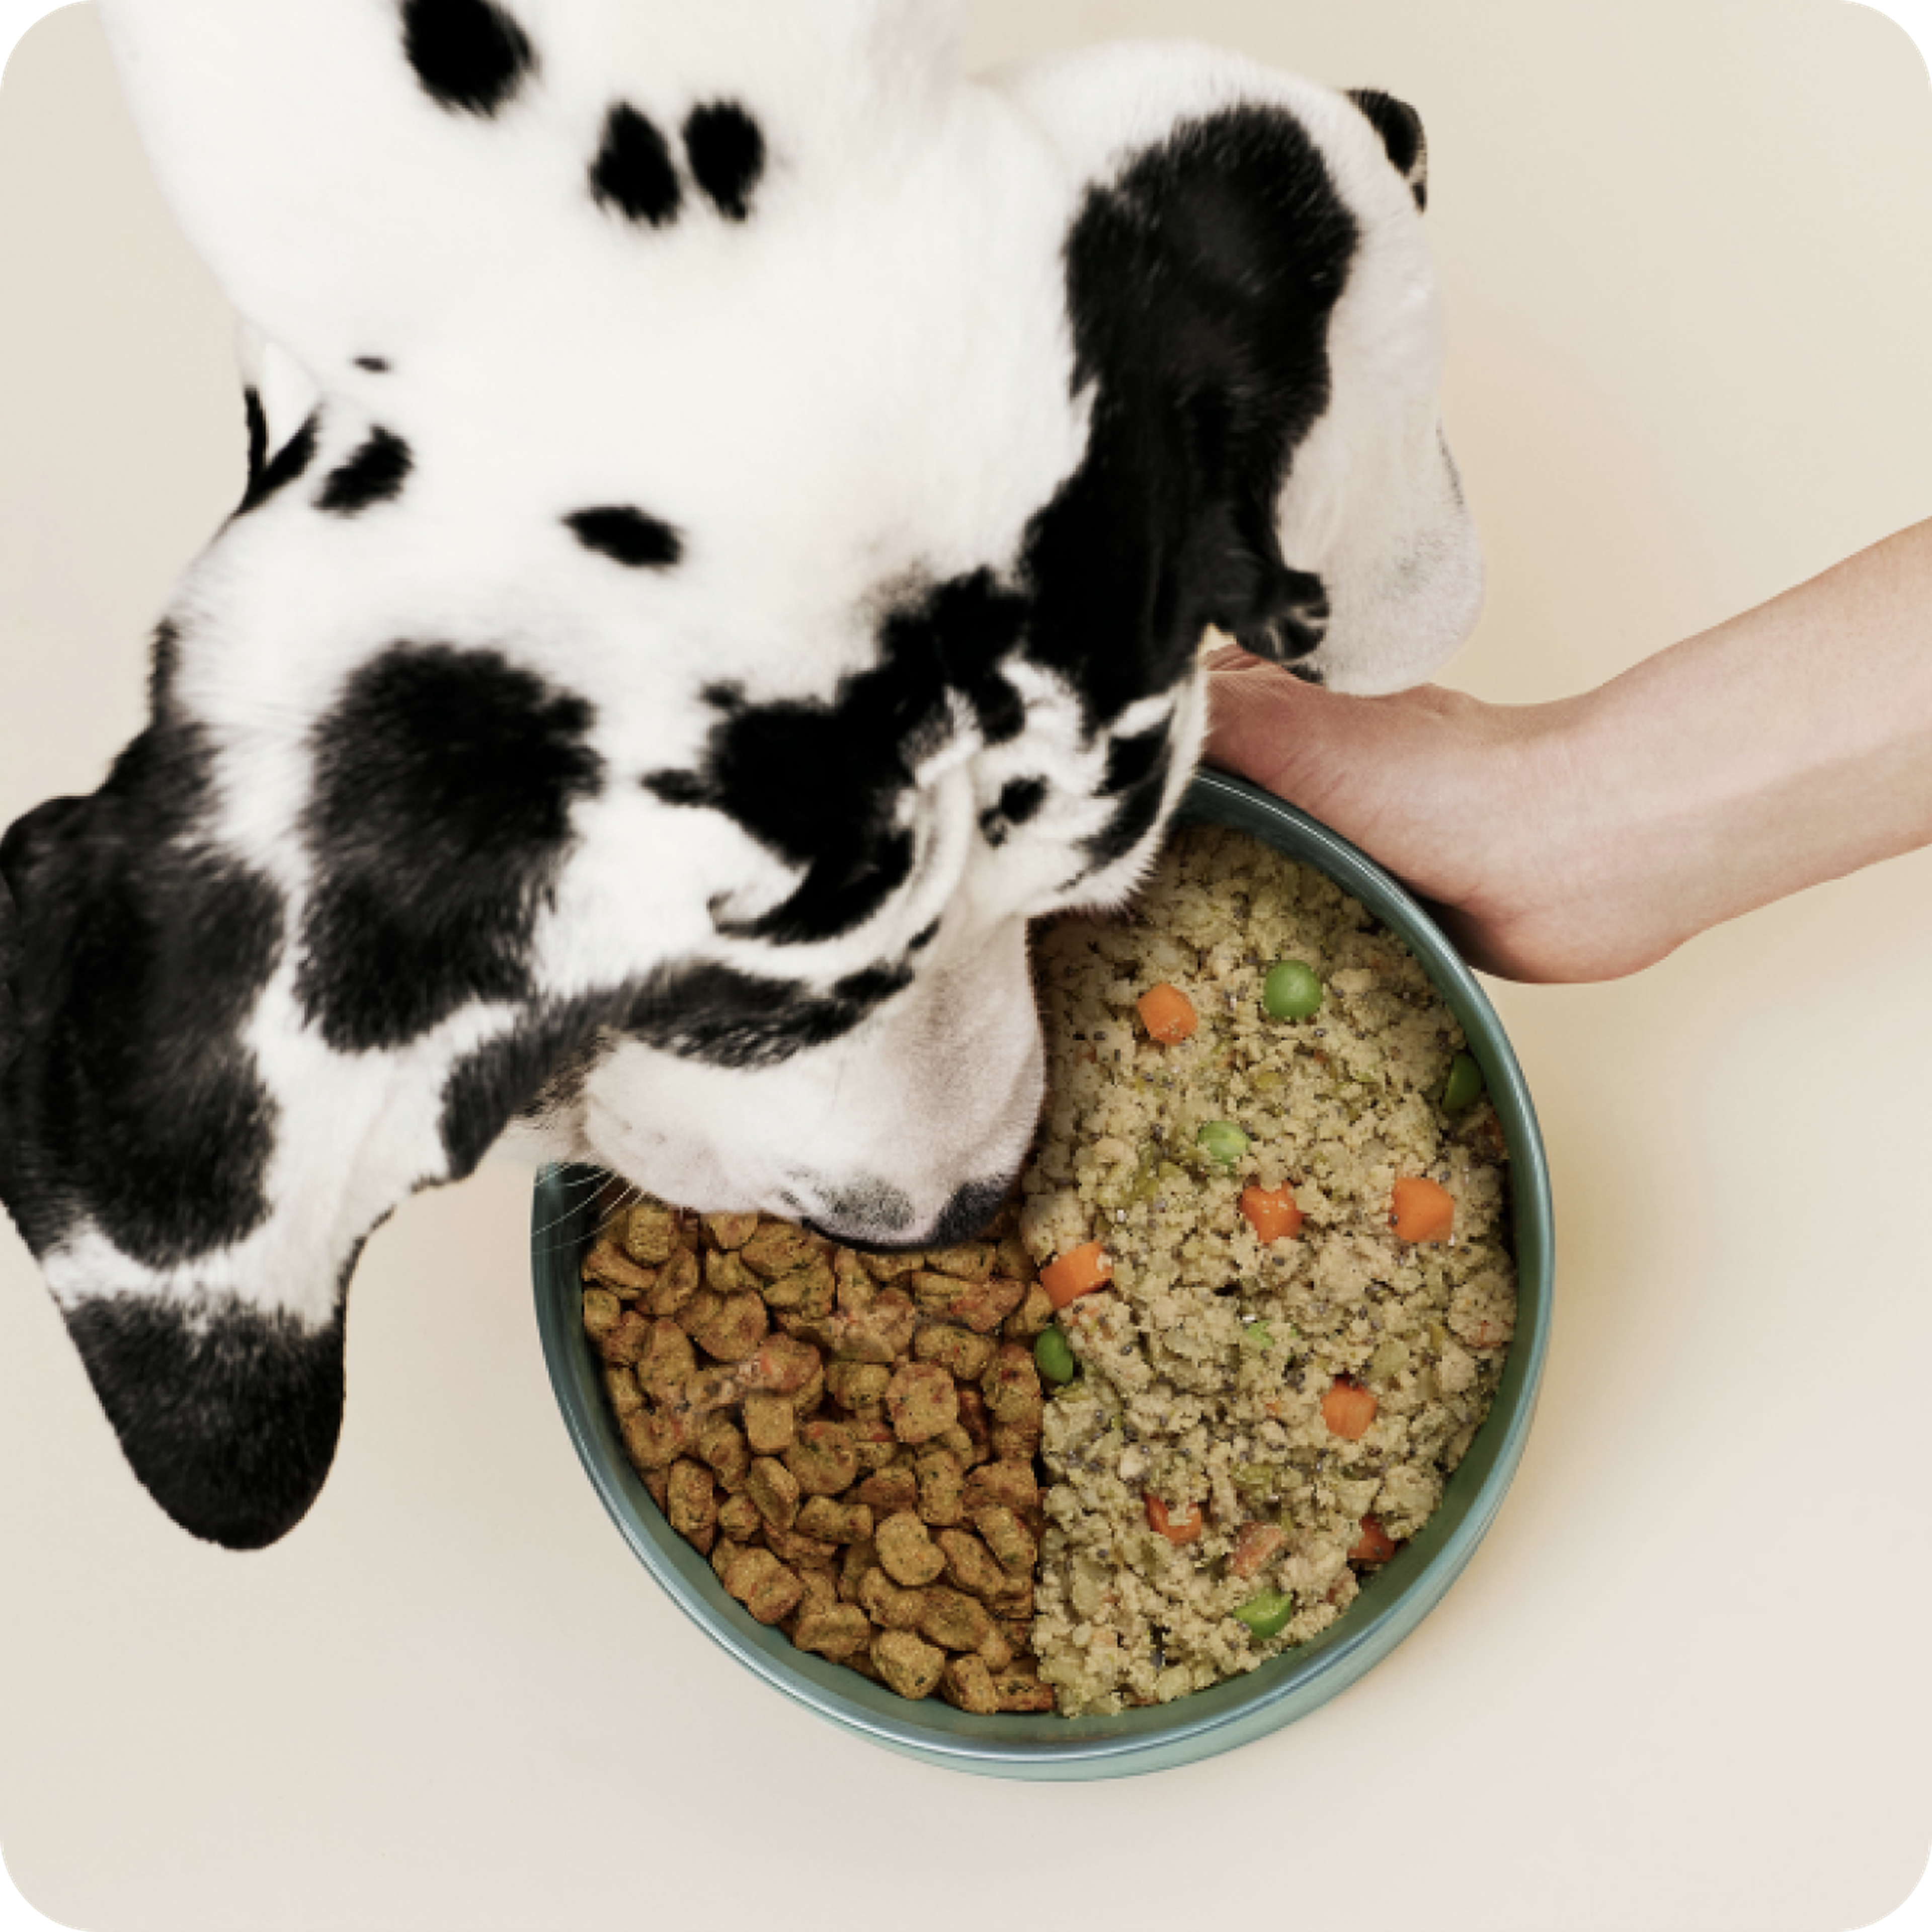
(733, 508)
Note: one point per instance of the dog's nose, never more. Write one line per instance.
(875, 1217)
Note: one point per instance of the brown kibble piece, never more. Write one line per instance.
(1027, 1321)
(1018, 1691)
(624, 1340)
(977, 1424)
(600, 1311)
(656, 1442)
(776, 1249)
(784, 1365)
(970, 1563)
(835, 1631)
(890, 1268)
(666, 1362)
(769, 1423)
(907, 1552)
(859, 1559)
(722, 1444)
(889, 1491)
(730, 1231)
(725, 1274)
(967, 1683)
(882, 1332)
(983, 1307)
(859, 1387)
(854, 1288)
(738, 1518)
(651, 1234)
(621, 1386)
(873, 1443)
(958, 1350)
(800, 1552)
(727, 1327)
(821, 1589)
(910, 1665)
(954, 1621)
(807, 1290)
(764, 1585)
(996, 1652)
(806, 1402)
(1011, 1483)
(889, 1605)
(823, 1460)
(608, 1264)
(1011, 1385)
(921, 1401)
(1015, 1441)
(970, 1261)
(942, 1485)
(676, 1283)
(1007, 1537)
(836, 1522)
(771, 1486)
(691, 1501)
(725, 1553)
(657, 1484)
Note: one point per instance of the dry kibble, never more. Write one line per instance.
(608, 1264)
(889, 1491)
(907, 1552)
(889, 1605)
(921, 1401)
(723, 1445)
(784, 1365)
(910, 1665)
(823, 1460)
(859, 1387)
(1011, 1483)
(1011, 1386)
(1006, 1536)
(665, 1362)
(651, 1234)
(728, 1326)
(881, 1333)
(764, 1585)
(600, 1311)
(967, 1683)
(954, 1621)
(1027, 1321)
(860, 1557)
(996, 1652)
(654, 1442)
(836, 1522)
(773, 1488)
(726, 1274)
(958, 1350)
(971, 1565)
(970, 1261)
(835, 1631)
(657, 1482)
(977, 1423)
(724, 1553)
(789, 1547)
(942, 1485)
(855, 1288)
(808, 1291)
(1015, 1441)
(676, 1283)
(738, 1518)
(1019, 1691)
(807, 1401)
(873, 1443)
(770, 1422)
(890, 1268)
(624, 1340)
(692, 1502)
(776, 1249)
(730, 1231)
(821, 1591)
(983, 1307)
(621, 1386)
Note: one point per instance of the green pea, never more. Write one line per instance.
(1291, 991)
(1464, 1087)
(1223, 1141)
(1055, 1358)
(1267, 1615)
(1257, 1335)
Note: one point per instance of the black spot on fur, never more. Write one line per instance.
(968, 1211)
(727, 154)
(817, 783)
(628, 535)
(705, 1011)
(633, 172)
(229, 1417)
(1136, 779)
(258, 440)
(375, 474)
(132, 1101)
(923, 937)
(875, 1206)
(287, 464)
(1200, 284)
(503, 1076)
(164, 667)
(1019, 800)
(439, 814)
(470, 55)
(376, 365)
(1400, 127)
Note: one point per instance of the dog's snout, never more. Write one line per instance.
(876, 1218)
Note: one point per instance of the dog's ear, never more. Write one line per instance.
(193, 1166)
(1400, 127)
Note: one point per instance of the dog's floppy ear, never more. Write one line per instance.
(192, 1162)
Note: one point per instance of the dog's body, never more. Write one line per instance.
(733, 510)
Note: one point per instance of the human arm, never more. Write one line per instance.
(1588, 838)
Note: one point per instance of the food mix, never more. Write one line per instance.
(1208, 1371)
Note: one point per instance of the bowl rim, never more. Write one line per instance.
(1048, 1747)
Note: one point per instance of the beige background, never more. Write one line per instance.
(1685, 1683)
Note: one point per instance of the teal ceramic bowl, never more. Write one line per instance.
(1160, 1737)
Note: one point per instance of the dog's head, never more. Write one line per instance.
(721, 554)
